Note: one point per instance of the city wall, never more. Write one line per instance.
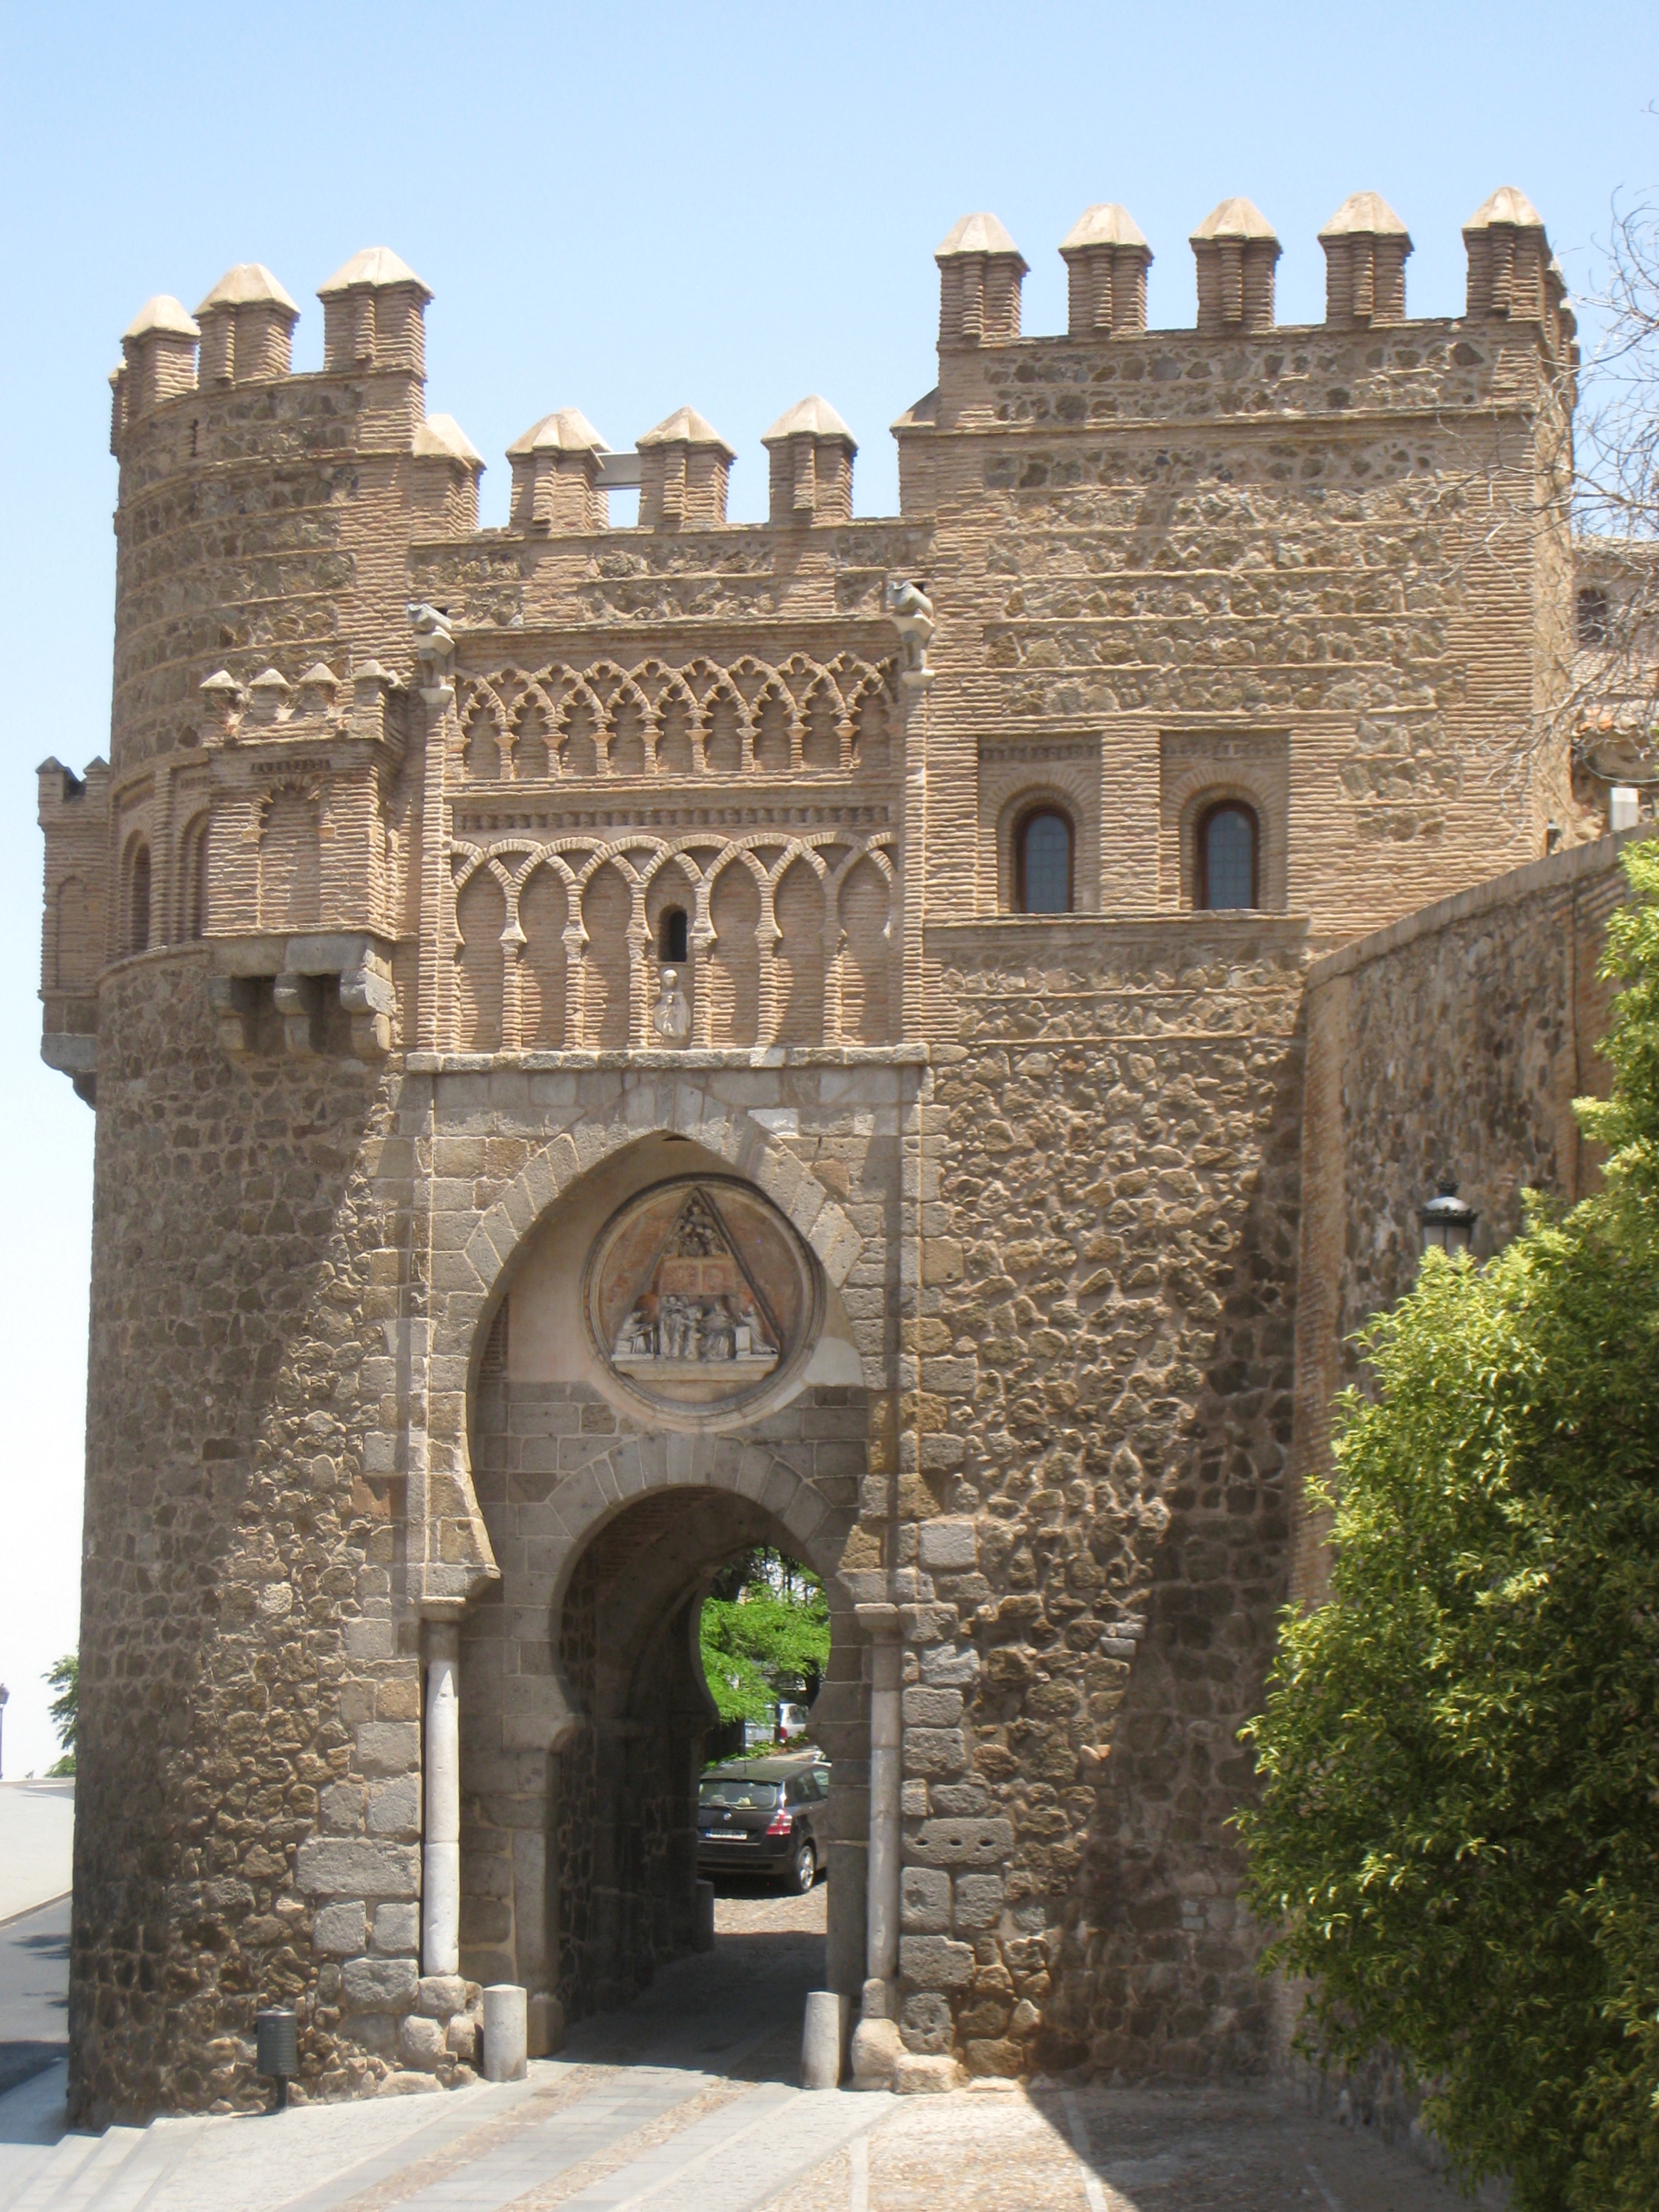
(447, 888)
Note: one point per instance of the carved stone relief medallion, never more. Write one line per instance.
(701, 1298)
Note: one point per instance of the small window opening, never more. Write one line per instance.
(1227, 842)
(1592, 616)
(672, 936)
(138, 902)
(1042, 863)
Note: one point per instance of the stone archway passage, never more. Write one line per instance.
(579, 1855)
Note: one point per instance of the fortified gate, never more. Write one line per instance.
(612, 1045)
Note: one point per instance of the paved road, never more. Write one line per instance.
(33, 1992)
(36, 1843)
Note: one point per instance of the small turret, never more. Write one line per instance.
(1366, 245)
(685, 466)
(247, 327)
(811, 452)
(556, 476)
(158, 359)
(1236, 249)
(1509, 259)
(1106, 261)
(375, 314)
(448, 466)
(980, 270)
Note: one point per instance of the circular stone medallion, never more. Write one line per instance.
(700, 1296)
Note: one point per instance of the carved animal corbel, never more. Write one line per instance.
(911, 613)
(434, 648)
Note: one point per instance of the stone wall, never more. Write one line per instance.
(1102, 1429)
(300, 1269)
(1451, 1044)
(246, 1694)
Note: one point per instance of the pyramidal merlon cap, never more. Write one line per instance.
(567, 431)
(812, 417)
(1508, 205)
(163, 313)
(976, 233)
(1366, 215)
(1109, 224)
(1236, 219)
(685, 427)
(377, 266)
(250, 283)
(443, 437)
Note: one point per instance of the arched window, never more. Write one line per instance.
(1043, 862)
(672, 936)
(138, 899)
(1227, 856)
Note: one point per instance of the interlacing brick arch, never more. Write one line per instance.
(801, 717)
(790, 938)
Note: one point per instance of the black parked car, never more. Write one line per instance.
(762, 1816)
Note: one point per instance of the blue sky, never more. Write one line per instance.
(622, 210)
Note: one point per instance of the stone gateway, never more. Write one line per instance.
(906, 1040)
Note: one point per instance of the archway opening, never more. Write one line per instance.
(637, 1509)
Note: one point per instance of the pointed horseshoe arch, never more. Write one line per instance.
(450, 1559)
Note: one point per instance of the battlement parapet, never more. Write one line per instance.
(1366, 249)
(247, 324)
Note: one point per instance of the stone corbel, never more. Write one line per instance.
(366, 993)
(234, 1003)
(299, 1000)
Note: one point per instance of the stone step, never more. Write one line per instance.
(142, 2174)
(77, 2169)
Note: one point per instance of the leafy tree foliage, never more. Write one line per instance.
(765, 1634)
(1458, 1834)
(63, 1676)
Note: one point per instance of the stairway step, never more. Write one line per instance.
(114, 2147)
(57, 2172)
(130, 2184)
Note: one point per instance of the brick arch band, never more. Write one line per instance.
(448, 1558)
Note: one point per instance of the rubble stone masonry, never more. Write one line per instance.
(449, 891)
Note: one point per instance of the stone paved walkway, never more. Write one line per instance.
(686, 2102)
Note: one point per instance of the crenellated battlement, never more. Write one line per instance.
(293, 763)
(930, 898)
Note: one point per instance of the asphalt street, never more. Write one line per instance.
(34, 1991)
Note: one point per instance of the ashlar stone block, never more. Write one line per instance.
(925, 1900)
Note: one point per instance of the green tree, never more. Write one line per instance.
(63, 1676)
(765, 1634)
(1457, 1837)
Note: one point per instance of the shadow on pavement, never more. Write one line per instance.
(33, 1992)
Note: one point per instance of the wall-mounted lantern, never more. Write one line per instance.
(1448, 1220)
